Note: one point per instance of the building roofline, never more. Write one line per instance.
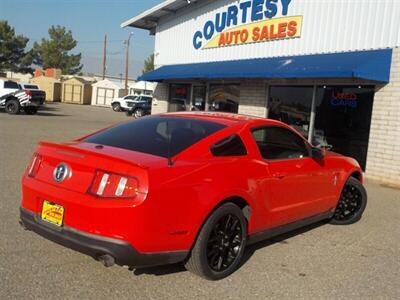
(149, 18)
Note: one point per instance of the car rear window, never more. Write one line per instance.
(156, 135)
(31, 87)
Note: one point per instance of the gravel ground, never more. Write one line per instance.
(319, 262)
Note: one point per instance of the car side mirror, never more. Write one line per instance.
(317, 153)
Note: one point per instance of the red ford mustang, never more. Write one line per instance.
(185, 187)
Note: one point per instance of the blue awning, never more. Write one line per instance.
(368, 65)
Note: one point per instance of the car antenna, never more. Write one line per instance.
(170, 162)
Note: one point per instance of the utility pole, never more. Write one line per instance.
(127, 62)
(105, 57)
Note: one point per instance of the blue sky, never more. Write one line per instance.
(89, 20)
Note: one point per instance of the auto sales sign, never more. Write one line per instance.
(245, 22)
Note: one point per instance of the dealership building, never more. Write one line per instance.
(329, 68)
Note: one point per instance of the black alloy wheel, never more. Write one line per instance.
(13, 107)
(224, 243)
(352, 203)
(220, 245)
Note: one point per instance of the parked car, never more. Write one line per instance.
(125, 103)
(185, 187)
(37, 93)
(14, 99)
(140, 107)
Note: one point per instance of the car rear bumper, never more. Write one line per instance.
(35, 103)
(97, 246)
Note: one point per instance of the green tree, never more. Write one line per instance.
(55, 51)
(13, 56)
(148, 64)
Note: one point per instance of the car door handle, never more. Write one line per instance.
(280, 175)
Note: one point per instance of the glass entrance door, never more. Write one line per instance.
(199, 98)
(343, 119)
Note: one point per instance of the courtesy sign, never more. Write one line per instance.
(246, 22)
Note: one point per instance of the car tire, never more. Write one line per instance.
(352, 203)
(138, 113)
(128, 113)
(30, 110)
(116, 107)
(220, 245)
(13, 107)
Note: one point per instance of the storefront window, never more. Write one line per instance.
(343, 119)
(224, 97)
(179, 97)
(343, 115)
(199, 98)
(291, 105)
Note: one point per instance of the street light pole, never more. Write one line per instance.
(127, 62)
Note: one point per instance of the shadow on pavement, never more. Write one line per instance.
(281, 239)
(250, 250)
(49, 114)
(160, 270)
(50, 110)
(49, 107)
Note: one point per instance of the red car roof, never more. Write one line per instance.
(227, 119)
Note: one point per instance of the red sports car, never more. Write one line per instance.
(185, 187)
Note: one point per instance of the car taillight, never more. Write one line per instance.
(28, 93)
(34, 165)
(109, 185)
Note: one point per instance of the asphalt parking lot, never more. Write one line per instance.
(320, 262)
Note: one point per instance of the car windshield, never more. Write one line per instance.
(156, 135)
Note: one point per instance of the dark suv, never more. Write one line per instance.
(140, 107)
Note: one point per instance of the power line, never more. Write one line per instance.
(83, 41)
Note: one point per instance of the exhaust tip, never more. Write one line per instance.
(107, 260)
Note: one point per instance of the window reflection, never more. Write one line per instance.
(291, 105)
(225, 98)
(179, 97)
(343, 115)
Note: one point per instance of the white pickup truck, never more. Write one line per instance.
(14, 99)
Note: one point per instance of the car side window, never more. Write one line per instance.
(277, 143)
(11, 85)
(230, 146)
